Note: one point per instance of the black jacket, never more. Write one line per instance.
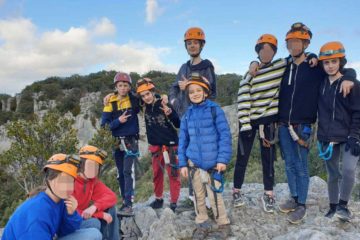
(339, 117)
(299, 92)
(160, 129)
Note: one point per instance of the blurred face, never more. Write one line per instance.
(331, 66)
(91, 169)
(196, 93)
(296, 47)
(122, 88)
(147, 96)
(266, 54)
(62, 185)
(193, 47)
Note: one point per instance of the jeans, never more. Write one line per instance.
(89, 230)
(296, 160)
(111, 231)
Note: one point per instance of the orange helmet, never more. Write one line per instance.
(199, 80)
(331, 50)
(267, 38)
(63, 163)
(144, 84)
(299, 31)
(93, 153)
(194, 33)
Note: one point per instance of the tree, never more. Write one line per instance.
(33, 143)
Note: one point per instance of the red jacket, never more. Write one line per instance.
(93, 191)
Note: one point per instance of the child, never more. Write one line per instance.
(120, 114)
(298, 97)
(194, 39)
(96, 201)
(339, 130)
(204, 152)
(51, 212)
(161, 122)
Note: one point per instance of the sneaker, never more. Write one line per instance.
(202, 230)
(173, 206)
(330, 213)
(298, 215)
(268, 203)
(343, 213)
(125, 211)
(157, 203)
(288, 206)
(222, 232)
(238, 199)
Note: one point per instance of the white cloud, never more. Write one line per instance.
(153, 11)
(27, 55)
(104, 28)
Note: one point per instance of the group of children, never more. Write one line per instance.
(73, 204)
(280, 100)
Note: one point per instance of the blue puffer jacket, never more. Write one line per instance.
(205, 136)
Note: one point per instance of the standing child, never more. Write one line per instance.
(161, 122)
(194, 39)
(96, 201)
(204, 152)
(120, 114)
(339, 130)
(51, 212)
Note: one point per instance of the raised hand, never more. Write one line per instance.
(124, 117)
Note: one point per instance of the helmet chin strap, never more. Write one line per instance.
(48, 185)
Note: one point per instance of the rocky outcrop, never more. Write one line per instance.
(251, 222)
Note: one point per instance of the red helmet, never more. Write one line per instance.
(122, 77)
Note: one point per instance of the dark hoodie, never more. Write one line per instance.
(339, 117)
(181, 101)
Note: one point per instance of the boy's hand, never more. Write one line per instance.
(87, 213)
(346, 87)
(182, 84)
(167, 111)
(313, 62)
(107, 99)
(253, 68)
(184, 172)
(164, 99)
(107, 217)
(123, 118)
(220, 167)
(71, 204)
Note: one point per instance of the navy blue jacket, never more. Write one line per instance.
(111, 116)
(339, 117)
(178, 98)
(204, 139)
(161, 129)
(299, 92)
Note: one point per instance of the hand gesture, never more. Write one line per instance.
(182, 83)
(71, 204)
(123, 118)
(346, 87)
(107, 217)
(167, 111)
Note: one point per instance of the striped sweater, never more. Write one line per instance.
(258, 97)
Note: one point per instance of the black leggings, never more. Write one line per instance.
(268, 155)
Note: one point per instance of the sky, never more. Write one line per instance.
(43, 38)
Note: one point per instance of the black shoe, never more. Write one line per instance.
(157, 203)
(343, 213)
(173, 206)
(330, 213)
(125, 211)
